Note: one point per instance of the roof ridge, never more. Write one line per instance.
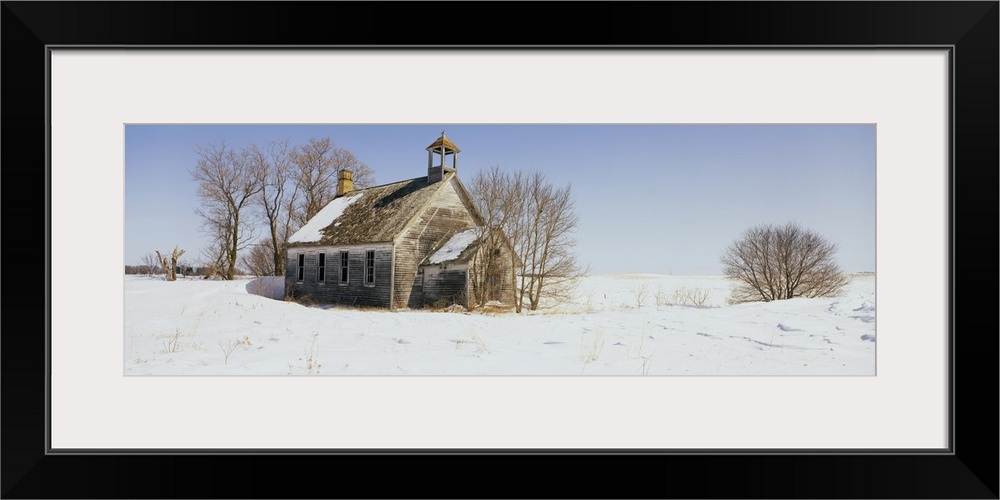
(389, 184)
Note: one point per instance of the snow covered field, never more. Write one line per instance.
(617, 325)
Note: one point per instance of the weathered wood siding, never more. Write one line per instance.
(331, 291)
(445, 216)
(507, 295)
(448, 284)
(503, 289)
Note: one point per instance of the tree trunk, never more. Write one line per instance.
(279, 258)
(170, 264)
(166, 266)
(234, 246)
(173, 263)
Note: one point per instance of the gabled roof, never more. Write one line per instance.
(372, 215)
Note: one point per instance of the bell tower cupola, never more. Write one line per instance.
(444, 148)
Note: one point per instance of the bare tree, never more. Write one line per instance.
(227, 184)
(215, 256)
(185, 267)
(273, 166)
(317, 164)
(150, 263)
(550, 265)
(535, 220)
(497, 208)
(258, 261)
(498, 196)
(782, 262)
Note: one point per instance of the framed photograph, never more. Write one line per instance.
(916, 80)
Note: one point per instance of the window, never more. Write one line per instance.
(343, 267)
(302, 267)
(370, 267)
(321, 276)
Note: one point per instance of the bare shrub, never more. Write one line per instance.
(493, 307)
(696, 297)
(228, 347)
(481, 345)
(312, 361)
(782, 262)
(661, 297)
(640, 293)
(259, 261)
(591, 351)
(150, 264)
(173, 342)
(646, 360)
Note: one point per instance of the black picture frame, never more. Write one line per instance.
(968, 470)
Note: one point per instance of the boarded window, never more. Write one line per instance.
(321, 275)
(343, 267)
(370, 267)
(301, 267)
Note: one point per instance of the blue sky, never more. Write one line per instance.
(664, 199)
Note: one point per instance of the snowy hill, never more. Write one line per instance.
(617, 325)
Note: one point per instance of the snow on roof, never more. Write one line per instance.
(313, 230)
(455, 246)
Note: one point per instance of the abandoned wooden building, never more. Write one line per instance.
(407, 244)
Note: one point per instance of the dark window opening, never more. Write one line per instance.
(370, 267)
(321, 276)
(343, 267)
